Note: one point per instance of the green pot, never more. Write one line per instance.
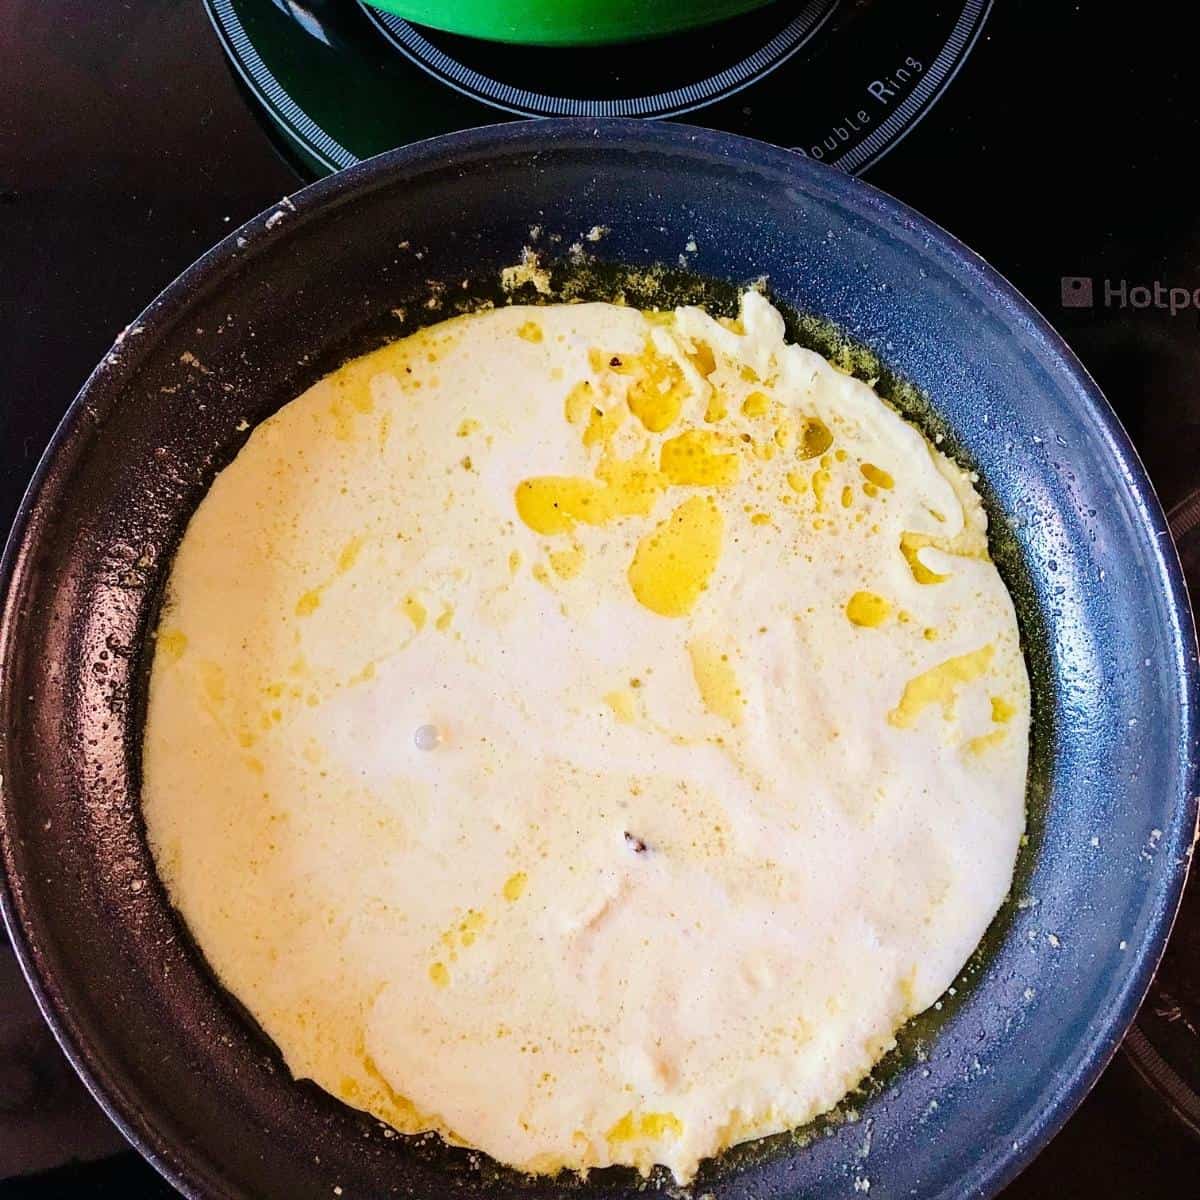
(565, 22)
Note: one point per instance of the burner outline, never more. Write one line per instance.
(917, 104)
(256, 75)
(473, 84)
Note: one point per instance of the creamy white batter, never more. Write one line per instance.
(586, 733)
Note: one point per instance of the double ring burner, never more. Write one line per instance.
(840, 80)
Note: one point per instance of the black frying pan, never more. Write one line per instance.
(975, 1088)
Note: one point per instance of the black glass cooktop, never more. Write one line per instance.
(1053, 137)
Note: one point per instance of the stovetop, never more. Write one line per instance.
(1053, 137)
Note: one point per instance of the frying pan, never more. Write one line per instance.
(978, 1085)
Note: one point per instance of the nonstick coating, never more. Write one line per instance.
(980, 1086)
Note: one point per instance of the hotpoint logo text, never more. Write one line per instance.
(1082, 291)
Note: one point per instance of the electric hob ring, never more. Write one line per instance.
(839, 80)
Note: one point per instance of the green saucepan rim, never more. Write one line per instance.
(565, 22)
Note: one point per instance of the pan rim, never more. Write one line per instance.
(103, 389)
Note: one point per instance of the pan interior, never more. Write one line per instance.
(576, 279)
